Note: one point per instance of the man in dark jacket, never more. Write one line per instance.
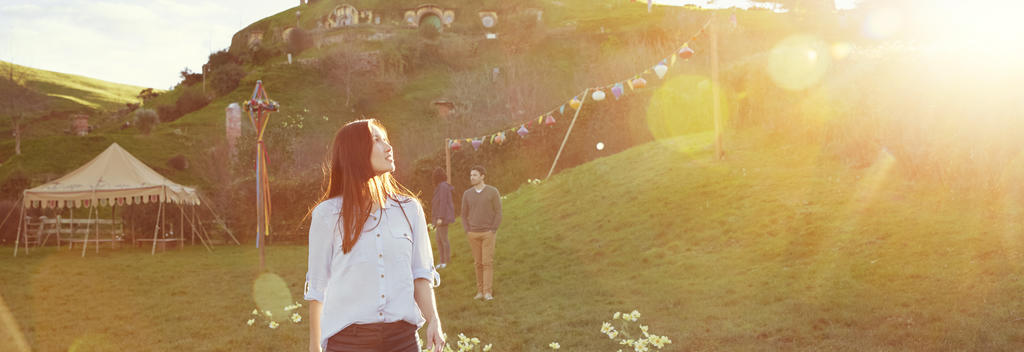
(442, 209)
(481, 215)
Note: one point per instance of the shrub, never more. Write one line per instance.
(225, 78)
(191, 100)
(167, 113)
(260, 54)
(220, 59)
(146, 119)
(178, 162)
(298, 41)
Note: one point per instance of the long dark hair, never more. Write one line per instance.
(350, 175)
(439, 176)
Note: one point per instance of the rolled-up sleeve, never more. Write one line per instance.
(422, 254)
(321, 249)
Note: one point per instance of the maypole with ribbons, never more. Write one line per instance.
(259, 108)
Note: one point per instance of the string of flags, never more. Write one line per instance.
(617, 90)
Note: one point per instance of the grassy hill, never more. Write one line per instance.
(67, 94)
(77, 93)
(776, 248)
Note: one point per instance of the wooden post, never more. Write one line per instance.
(97, 226)
(159, 211)
(88, 230)
(716, 89)
(448, 160)
(181, 228)
(21, 225)
(567, 132)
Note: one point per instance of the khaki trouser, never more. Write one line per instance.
(482, 244)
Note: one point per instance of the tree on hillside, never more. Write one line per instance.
(147, 94)
(344, 67)
(18, 100)
(189, 78)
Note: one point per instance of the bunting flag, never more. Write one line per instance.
(617, 89)
(522, 131)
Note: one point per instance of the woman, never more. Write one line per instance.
(371, 275)
(442, 209)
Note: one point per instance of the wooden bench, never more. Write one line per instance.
(71, 231)
(161, 243)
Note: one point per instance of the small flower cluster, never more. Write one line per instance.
(468, 343)
(643, 344)
(465, 344)
(268, 317)
(535, 181)
(554, 345)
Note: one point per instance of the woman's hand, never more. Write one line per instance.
(438, 222)
(435, 338)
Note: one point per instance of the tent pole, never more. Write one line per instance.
(159, 211)
(192, 231)
(198, 227)
(88, 231)
(202, 229)
(71, 235)
(2, 223)
(113, 225)
(181, 228)
(21, 224)
(219, 220)
(201, 240)
(97, 237)
(567, 133)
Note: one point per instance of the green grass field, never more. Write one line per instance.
(775, 248)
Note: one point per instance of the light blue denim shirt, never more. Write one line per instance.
(372, 283)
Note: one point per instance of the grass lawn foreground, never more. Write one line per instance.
(776, 248)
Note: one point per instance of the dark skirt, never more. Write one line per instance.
(399, 336)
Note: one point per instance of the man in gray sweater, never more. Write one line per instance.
(481, 215)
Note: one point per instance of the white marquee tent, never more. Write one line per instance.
(114, 177)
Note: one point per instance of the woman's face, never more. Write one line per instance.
(381, 157)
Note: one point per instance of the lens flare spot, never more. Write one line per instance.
(882, 23)
(792, 65)
(271, 293)
(683, 106)
(841, 50)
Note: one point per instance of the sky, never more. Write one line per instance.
(141, 42)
